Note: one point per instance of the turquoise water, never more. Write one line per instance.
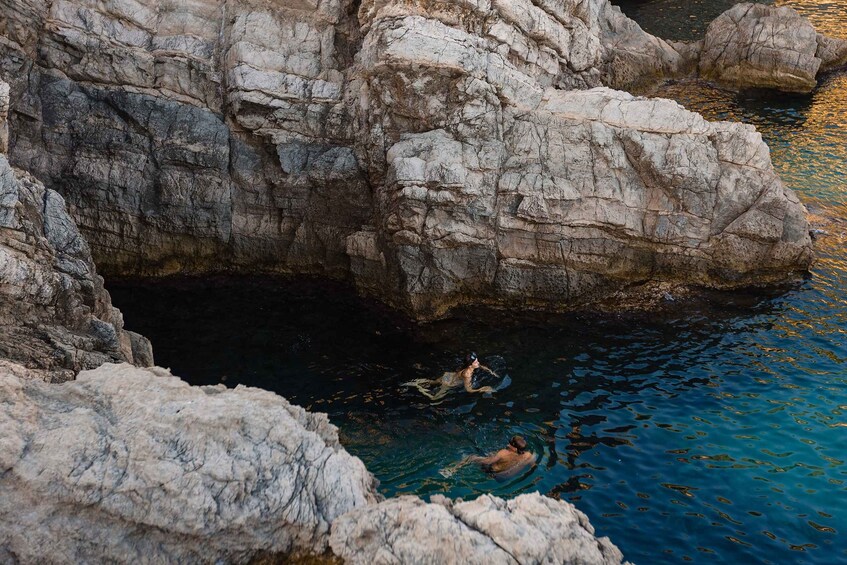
(712, 431)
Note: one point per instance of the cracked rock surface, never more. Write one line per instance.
(753, 45)
(529, 529)
(55, 316)
(133, 465)
(432, 153)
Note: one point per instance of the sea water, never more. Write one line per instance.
(712, 430)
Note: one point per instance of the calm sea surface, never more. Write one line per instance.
(712, 431)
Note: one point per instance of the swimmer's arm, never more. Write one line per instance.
(470, 388)
(466, 461)
(484, 368)
(481, 460)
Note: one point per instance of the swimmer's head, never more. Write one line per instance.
(518, 443)
(471, 359)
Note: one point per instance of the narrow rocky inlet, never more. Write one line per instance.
(431, 155)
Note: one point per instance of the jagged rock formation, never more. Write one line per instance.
(753, 45)
(528, 529)
(55, 316)
(434, 153)
(133, 465)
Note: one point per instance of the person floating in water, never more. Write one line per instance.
(504, 464)
(508, 461)
(452, 380)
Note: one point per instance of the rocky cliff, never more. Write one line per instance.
(55, 316)
(132, 465)
(434, 153)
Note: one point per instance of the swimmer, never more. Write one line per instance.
(451, 380)
(505, 463)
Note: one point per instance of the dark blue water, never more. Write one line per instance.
(712, 431)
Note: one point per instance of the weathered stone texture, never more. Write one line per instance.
(55, 315)
(133, 465)
(754, 45)
(530, 529)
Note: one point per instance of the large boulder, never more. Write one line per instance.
(584, 192)
(530, 529)
(133, 465)
(760, 46)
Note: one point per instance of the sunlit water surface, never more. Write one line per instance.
(714, 431)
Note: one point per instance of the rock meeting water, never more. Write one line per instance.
(714, 430)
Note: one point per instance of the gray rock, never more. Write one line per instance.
(406, 147)
(589, 191)
(530, 529)
(754, 45)
(832, 52)
(133, 465)
(55, 316)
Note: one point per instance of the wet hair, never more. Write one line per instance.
(518, 443)
(469, 359)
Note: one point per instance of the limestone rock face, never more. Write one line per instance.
(55, 315)
(586, 191)
(433, 153)
(133, 465)
(528, 529)
(754, 45)
(192, 136)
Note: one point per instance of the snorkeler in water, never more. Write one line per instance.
(453, 379)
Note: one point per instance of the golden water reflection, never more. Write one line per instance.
(826, 15)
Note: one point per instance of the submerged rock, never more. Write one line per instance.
(433, 153)
(530, 529)
(55, 316)
(133, 465)
(759, 46)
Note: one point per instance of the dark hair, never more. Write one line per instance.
(518, 443)
(469, 359)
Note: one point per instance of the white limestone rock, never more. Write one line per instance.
(586, 191)
(530, 529)
(133, 465)
(4, 117)
(760, 46)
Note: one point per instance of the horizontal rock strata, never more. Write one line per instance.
(433, 153)
(133, 465)
(55, 316)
